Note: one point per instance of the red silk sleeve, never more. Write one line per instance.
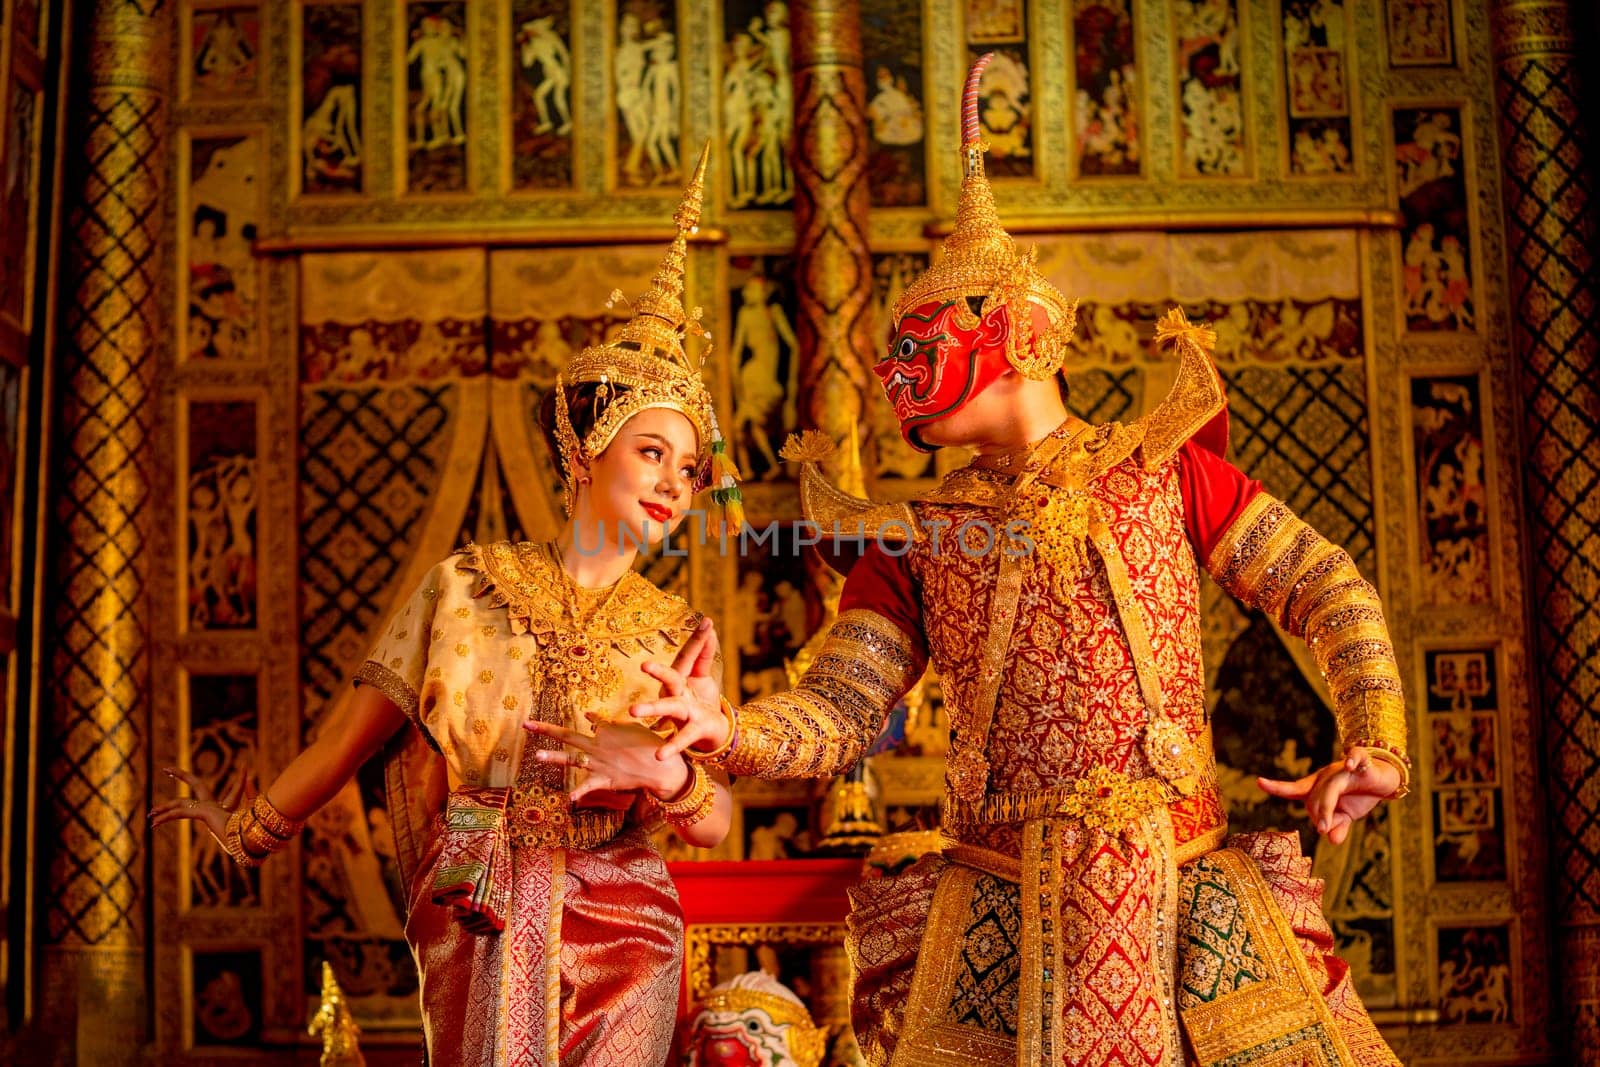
(1215, 493)
(882, 583)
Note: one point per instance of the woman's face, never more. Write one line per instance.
(644, 480)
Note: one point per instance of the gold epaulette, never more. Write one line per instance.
(1196, 396)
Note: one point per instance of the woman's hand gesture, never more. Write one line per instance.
(202, 806)
(691, 697)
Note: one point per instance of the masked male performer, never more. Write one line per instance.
(1088, 907)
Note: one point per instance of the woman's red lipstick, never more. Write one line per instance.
(656, 511)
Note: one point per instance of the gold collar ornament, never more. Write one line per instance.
(649, 360)
(979, 259)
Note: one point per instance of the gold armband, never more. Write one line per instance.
(253, 833)
(822, 727)
(1271, 560)
(694, 805)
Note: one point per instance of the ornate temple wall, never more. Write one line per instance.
(384, 225)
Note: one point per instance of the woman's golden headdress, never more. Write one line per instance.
(979, 259)
(649, 360)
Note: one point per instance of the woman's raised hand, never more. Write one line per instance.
(203, 806)
(691, 697)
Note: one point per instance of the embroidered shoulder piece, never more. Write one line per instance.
(521, 578)
(1196, 397)
(833, 509)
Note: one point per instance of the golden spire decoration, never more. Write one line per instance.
(649, 361)
(979, 259)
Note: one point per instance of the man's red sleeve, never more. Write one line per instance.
(882, 583)
(1215, 492)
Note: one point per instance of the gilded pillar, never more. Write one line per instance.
(833, 263)
(1547, 178)
(94, 751)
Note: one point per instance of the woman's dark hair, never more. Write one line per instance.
(581, 406)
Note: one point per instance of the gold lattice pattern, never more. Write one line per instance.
(94, 781)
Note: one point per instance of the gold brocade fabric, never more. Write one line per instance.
(1073, 802)
(586, 971)
(545, 935)
(469, 655)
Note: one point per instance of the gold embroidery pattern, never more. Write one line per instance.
(541, 819)
(1273, 561)
(1196, 396)
(824, 725)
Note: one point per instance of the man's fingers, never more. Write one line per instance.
(1340, 830)
(1285, 790)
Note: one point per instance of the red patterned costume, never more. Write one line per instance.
(1087, 908)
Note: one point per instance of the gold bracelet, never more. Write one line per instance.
(273, 820)
(233, 842)
(695, 804)
(720, 753)
(1398, 760)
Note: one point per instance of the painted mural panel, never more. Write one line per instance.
(1421, 33)
(225, 52)
(437, 91)
(541, 94)
(1453, 499)
(1005, 95)
(222, 496)
(769, 610)
(891, 45)
(223, 745)
(757, 97)
(766, 355)
(1106, 118)
(227, 999)
(1316, 74)
(1211, 136)
(1475, 974)
(18, 183)
(224, 277)
(648, 94)
(1462, 727)
(331, 124)
(1435, 238)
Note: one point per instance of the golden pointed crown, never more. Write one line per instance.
(979, 259)
(647, 356)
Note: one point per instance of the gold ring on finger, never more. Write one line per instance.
(581, 760)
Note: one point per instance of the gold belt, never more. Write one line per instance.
(540, 818)
(1103, 798)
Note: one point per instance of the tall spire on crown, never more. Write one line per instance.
(977, 230)
(659, 319)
